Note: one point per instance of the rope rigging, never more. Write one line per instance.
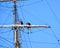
(33, 3)
(53, 11)
(21, 22)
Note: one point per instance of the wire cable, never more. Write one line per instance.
(48, 42)
(31, 3)
(39, 42)
(6, 40)
(24, 5)
(29, 41)
(57, 44)
(6, 31)
(4, 46)
(27, 12)
(37, 31)
(22, 13)
(5, 6)
(27, 5)
(2, 5)
(25, 40)
(7, 18)
(52, 11)
(54, 34)
(20, 36)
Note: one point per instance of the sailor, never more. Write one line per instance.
(29, 28)
(21, 22)
(28, 23)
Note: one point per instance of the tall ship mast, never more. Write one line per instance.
(19, 31)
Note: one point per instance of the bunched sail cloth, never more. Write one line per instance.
(24, 26)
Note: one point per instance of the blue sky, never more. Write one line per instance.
(36, 12)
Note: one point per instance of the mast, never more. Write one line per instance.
(16, 40)
(17, 26)
(15, 10)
